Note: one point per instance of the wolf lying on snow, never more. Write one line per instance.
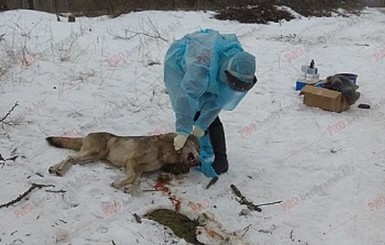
(137, 153)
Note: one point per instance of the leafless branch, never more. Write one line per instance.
(135, 34)
(3, 160)
(269, 203)
(20, 197)
(151, 190)
(153, 32)
(9, 112)
(57, 191)
(245, 230)
(243, 200)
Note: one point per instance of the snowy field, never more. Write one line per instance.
(328, 169)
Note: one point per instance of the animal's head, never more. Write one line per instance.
(190, 151)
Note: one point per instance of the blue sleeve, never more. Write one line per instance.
(208, 113)
(194, 85)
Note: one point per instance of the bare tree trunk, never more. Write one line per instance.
(31, 4)
(111, 8)
(3, 5)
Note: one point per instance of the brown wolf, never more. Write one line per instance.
(137, 153)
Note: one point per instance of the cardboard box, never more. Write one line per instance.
(326, 99)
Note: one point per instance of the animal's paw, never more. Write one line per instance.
(56, 170)
(116, 184)
(128, 189)
(132, 190)
(126, 185)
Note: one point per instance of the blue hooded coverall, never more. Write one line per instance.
(194, 75)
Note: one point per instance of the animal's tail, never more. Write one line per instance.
(73, 143)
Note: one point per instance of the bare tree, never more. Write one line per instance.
(31, 4)
(3, 5)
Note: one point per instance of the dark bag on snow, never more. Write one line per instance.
(344, 85)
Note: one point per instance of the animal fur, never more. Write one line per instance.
(137, 154)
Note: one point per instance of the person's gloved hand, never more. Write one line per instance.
(179, 141)
(207, 169)
(198, 132)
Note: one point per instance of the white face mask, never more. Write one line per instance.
(231, 97)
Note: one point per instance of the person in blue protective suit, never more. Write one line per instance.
(206, 72)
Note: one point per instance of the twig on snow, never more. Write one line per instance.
(150, 190)
(2, 160)
(246, 229)
(57, 191)
(269, 203)
(291, 235)
(19, 198)
(243, 200)
(152, 63)
(137, 218)
(2, 120)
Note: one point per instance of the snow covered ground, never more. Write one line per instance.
(92, 75)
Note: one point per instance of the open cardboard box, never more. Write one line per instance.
(326, 99)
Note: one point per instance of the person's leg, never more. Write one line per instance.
(218, 142)
(206, 154)
(213, 150)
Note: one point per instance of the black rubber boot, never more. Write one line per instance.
(218, 142)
